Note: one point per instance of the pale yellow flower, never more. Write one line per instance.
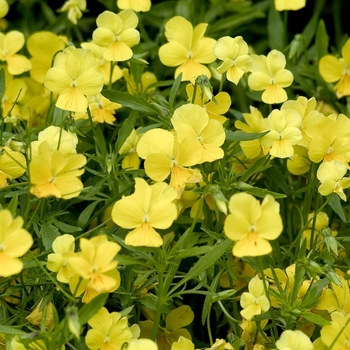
(135, 5)
(282, 5)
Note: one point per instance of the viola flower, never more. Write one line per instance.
(287, 5)
(135, 5)
(251, 224)
(182, 344)
(15, 241)
(215, 109)
(42, 46)
(164, 155)
(54, 174)
(4, 8)
(10, 44)
(132, 159)
(117, 34)
(192, 122)
(75, 9)
(149, 207)
(269, 75)
(187, 48)
(63, 248)
(13, 164)
(294, 340)
(74, 77)
(108, 331)
(333, 69)
(233, 52)
(331, 175)
(94, 261)
(254, 302)
(284, 126)
(105, 67)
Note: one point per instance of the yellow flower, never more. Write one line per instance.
(299, 162)
(187, 48)
(63, 247)
(94, 261)
(53, 174)
(252, 224)
(36, 316)
(4, 8)
(73, 77)
(331, 175)
(105, 67)
(131, 160)
(234, 55)
(149, 207)
(337, 333)
(254, 302)
(43, 46)
(294, 340)
(117, 33)
(334, 69)
(74, 8)
(142, 344)
(135, 5)
(182, 344)
(214, 110)
(192, 121)
(108, 331)
(13, 164)
(15, 241)
(10, 44)
(269, 74)
(284, 126)
(164, 155)
(282, 5)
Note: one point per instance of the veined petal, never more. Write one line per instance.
(259, 81)
(18, 64)
(57, 80)
(127, 214)
(90, 82)
(234, 74)
(191, 69)
(247, 205)
(173, 54)
(130, 37)
(236, 226)
(73, 100)
(203, 52)
(198, 33)
(69, 186)
(129, 19)
(18, 243)
(183, 36)
(13, 42)
(226, 47)
(281, 149)
(144, 235)
(269, 225)
(109, 20)
(251, 246)
(103, 36)
(284, 78)
(275, 61)
(330, 68)
(117, 51)
(274, 94)
(162, 214)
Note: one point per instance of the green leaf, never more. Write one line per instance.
(130, 101)
(126, 129)
(242, 136)
(11, 330)
(174, 90)
(65, 227)
(86, 214)
(315, 318)
(12, 206)
(48, 233)
(275, 29)
(258, 192)
(337, 207)
(90, 309)
(322, 39)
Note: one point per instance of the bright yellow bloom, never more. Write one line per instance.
(187, 48)
(73, 77)
(164, 155)
(4, 8)
(142, 344)
(149, 207)
(337, 333)
(13, 164)
(252, 224)
(10, 44)
(216, 109)
(284, 126)
(15, 241)
(131, 160)
(53, 174)
(329, 139)
(74, 8)
(220, 344)
(104, 66)
(192, 122)
(43, 46)
(294, 340)
(299, 162)
(254, 302)
(94, 261)
(233, 52)
(63, 248)
(268, 74)
(117, 33)
(108, 331)
(333, 69)
(182, 344)
(135, 5)
(254, 123)
(282, 5)
(331, 175)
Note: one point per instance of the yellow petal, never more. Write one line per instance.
(9, 266)
(330, 68)
(145, 236)
(173, 54)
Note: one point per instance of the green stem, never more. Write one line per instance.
(209, 329)
(160, 301)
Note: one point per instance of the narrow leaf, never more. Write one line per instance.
(126, 129)
(90, 309)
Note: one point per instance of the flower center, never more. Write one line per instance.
(73, 84)
(107, 340)
(145, 218)
(2, 248)
(189, 54)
